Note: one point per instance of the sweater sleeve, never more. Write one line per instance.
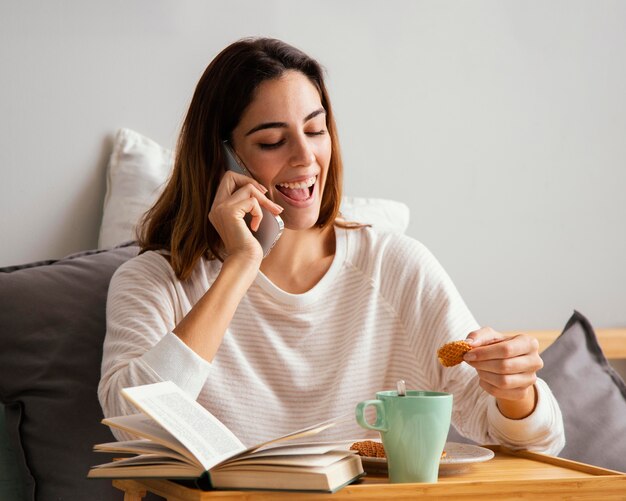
(140, 347)
(434, 313)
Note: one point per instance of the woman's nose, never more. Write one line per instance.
(301, 153)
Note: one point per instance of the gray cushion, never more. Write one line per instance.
(52, 326)
(592, 396)
(12, 486)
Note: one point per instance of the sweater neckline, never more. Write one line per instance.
(319, 288)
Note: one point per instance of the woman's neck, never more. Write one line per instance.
(300, 259)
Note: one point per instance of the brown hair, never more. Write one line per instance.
(178, 221)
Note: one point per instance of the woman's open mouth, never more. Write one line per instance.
(300, 191)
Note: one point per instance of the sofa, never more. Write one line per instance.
(52, 327)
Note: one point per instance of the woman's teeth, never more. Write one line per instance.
(307, 183)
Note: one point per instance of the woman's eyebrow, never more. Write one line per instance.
(319, 111)
(274, 125)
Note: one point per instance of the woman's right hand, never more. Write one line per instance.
(238, 195)
(203, 327)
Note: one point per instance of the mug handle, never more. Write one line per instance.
(381, 421)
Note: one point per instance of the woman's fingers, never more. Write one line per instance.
(250, 206)
(237, 187)
(239, 196)
(514, 365)
(516, 393)
(235, 209)
(508, 381)
(484, 336)
(231, 182)
(250, 191)
(502, 347)
(506, 366)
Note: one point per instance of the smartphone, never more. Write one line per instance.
(271, 227)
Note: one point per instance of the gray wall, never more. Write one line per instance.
(502, 124)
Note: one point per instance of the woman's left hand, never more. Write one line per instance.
(507, 367)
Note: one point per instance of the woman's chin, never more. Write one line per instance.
(299, 222)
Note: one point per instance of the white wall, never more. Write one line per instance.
(502, 124)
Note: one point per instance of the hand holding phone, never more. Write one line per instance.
(271, 226)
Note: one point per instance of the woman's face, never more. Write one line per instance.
(283, 141)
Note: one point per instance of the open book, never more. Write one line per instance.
(181, 439)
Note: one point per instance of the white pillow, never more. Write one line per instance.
(382, 214)
(137, 172)
(139, 168)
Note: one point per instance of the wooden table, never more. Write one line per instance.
(509, 475)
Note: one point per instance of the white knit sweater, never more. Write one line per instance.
(289, 360)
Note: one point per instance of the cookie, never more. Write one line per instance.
(451, 354)
(369, 448)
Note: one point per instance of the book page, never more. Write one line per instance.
(142, 447)
(145, 465)
(206, 437)
(298, 449)
(309, 431)
(300, 460)
(146, 427)
(144, 459)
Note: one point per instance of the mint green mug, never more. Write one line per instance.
(413, 428)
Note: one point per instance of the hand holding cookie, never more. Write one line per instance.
(507, 368)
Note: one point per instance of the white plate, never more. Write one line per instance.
(458, 458)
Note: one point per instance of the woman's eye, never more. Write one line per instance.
(269, 146)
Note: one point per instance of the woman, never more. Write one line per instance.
(334, 313)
